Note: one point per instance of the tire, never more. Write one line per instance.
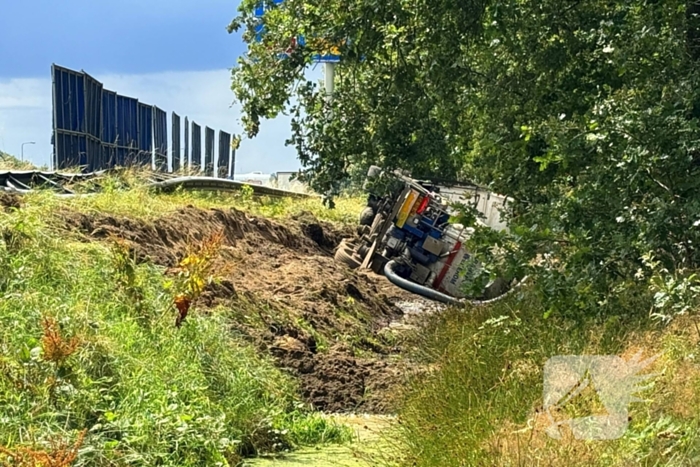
(347, 244)
(376, 224)
(367, 216)
(345, 256)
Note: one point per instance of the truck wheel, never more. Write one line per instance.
(367, 216)
(376, 225)
(345, 256)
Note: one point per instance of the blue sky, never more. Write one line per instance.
(116, 36)
(175, 54)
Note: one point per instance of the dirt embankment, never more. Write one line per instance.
(321, 321)
(9, 201)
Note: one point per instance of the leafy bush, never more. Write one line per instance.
(586, 115)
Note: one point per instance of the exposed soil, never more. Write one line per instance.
(317, 318)
(10, 200)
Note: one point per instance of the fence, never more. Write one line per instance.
(97, 129)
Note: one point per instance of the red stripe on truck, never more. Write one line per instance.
(437, 283)
(423, 205)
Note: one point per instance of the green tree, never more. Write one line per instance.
(583, 112)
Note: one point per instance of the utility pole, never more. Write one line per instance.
(22, 150)
(329, 78)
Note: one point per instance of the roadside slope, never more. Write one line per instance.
(92, 359)
(482, 401)
(276, 284)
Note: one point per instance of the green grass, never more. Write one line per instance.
(365, 450)
(146, 392)
(477, 403)
(139, 202)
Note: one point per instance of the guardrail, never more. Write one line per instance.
(24, 181)
(222, 184)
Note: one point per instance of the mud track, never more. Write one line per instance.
(320, 321)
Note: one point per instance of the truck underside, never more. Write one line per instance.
(406, 235)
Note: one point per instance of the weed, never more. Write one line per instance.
(124, 259)
(319, 339)
(312, 429)
(60, 454)
(193, 273)
(246, 193)
(55, 347)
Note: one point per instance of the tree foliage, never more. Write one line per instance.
(583, 112)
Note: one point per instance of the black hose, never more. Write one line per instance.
(427, 292)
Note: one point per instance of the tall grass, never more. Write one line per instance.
(10, 162)
(144, 391)
(138, 201)
(480, 403)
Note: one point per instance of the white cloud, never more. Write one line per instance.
(203, 96)
(25, 115)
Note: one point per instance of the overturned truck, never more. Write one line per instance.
(405, 233)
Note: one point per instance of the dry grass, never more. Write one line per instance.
(124, 193)
(56, 348)
(483, 404)
(676, 392)
(9, 162)
(59, 454)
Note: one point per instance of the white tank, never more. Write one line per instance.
(445, 275)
